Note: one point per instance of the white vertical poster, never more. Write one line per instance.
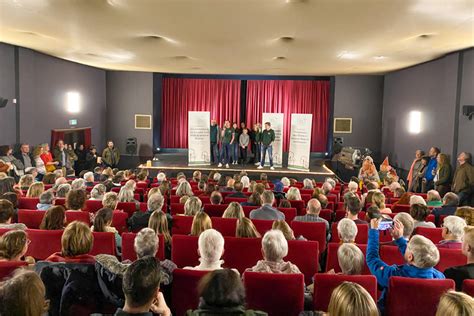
(199, 142)
(276, 121)
(300, 141)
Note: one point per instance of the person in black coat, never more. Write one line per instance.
(91, 158)
(81, 154)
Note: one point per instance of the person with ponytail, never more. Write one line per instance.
(103, 223)
(159, 223)
(14, 245)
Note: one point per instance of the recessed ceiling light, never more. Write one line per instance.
(279, 58)
(380, 57)
(287, 39)
(347, 55)
(180, 57)
(153, 37)
(425, 36)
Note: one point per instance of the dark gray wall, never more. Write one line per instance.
(466, 127)
(7, 90)
(429, 88)
(44, 81)
(360, 98)
(129, 93)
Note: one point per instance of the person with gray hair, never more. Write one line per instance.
(245, 181)
(89, 179)
(351, 259)
(110, 200)
(267, 211)
(46, 200)
(347, 230)
(416, 199)
(327, 187)
(353, 187)
(312, 215)
(331, 181)
(408, 224)
(192, 206)
(308, 184)
(420, 254)
(139, 219)
(217, 177)
(58, 182)
(160, 177)
(450, 205)
(274, 249)
(210, 249)
(63, 190)
(452, 233)
(463, 180)
(78, 184)
(98, 191)
(286, 182)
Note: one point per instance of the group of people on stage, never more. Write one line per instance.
(230, 143)
(72, 159)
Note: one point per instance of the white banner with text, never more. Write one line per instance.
(199, 142)
(300, 141)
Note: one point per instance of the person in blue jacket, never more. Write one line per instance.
(420, 253)
(428, 181)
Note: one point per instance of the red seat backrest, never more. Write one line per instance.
(104, 243)
(176, 208)
(229, 199)
(305, 255)
(361, 237)
(226, 226)
(290, 213)
(299, 205)
(128, 249)
(450, 258)
(340, 206)
(174, 199)
(116, 189)
(468, 286)
(233, 253)
(93, 205)
(60, 201)
(205, 200)
(80, 216)
(215, 210)
(385, 236)
(32, 219)
(248, 209)
(326, 214)
(324, 284)
(43, 243)
(312, 231)
(262, 225)
(27, 203)
(391, 255)
(287, 293)
(425, 292)
(182, 225)
(129, 207)
(184, 290)
(119, 221)
(184, 250)
(401, 208)
(332, 262)
(433, 234)
(306, 197)
(7, 267)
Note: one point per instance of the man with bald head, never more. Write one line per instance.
(214, 135)
(463, 181)
(312, 214)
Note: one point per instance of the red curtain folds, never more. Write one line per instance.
(291, 96)
(180, 95)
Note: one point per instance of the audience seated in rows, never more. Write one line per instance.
(420, 212)
(54, 218)
(210, 249)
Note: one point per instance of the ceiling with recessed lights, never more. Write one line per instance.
(291, 37)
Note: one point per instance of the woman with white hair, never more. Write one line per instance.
(353, 187)
(452, 233)
(210, 249)
(331, 181)
(351, 259)
(184, 188)
(98, 191)
(160, 177)
(274, 249)
(416, 199)
(308, 184)
(347, 230)
(293, 194)
(245, 181)
(434, 199)
(78, 184)
(286, 182)
(327, 187)
(192, 206)
(126, 195)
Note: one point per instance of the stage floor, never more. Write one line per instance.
(176, 162)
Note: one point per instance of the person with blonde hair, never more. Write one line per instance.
(284, 228)
(353, 187)
(246, 229)
(184, 188)
(308, 184)
(76, 243)
(192, 206)
(286, 182)
(416, 199)
(234, 210)
(293, 194)
(26, 181)
(378, 199)
(467, 213)
(201, 222)
(420, 254)
(110, 200)
(444, 174)
(351, 259)
(210, 249)
(159, 223)
(14, 245)
(347, 230)
(455, 304)
(351, 299)
(274, 249)
(461, 273)
(452, 233)
(35, 190)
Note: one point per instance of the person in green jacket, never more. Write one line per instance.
(111, 155)
(227, 134)
(256, 137)
(215, 132)
(267, 137)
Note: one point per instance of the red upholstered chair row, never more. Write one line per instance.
(300, 206)
(468, 287)
(433, 234)
(332, 261)
(182, 225)
(315, 231)
(184, 294)
(128, 249)
(27, 203)
(361, 237)
(7, 267)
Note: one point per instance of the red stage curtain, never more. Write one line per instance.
(220, 97)
(291, 96)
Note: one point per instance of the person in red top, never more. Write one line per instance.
(47, 158)
(76, 243)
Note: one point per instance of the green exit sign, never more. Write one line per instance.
(73, 122)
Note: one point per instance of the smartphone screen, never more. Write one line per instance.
(385, 224)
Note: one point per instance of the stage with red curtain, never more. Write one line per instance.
(223, 98)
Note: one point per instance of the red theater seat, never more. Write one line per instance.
(181, 225)
(119, 221)
(27, 203)
(276, 294)
(7, 267)
(312, 231)
(262, 225)
(332, 261)
(93, 205)
(130, 207)
(43, 243)
(104, 243)
(230, 199)
(306, 197)
(184, 290)
(326, 214)
(248, 209)
(226, 226)
(424, 295)
(128, 249)
(32, 219)
(450, 258)
(400, 208)
(60, 201)
(80, 216)
(305, 255)
(215, 210)
(176, 208)
(361, 237)
(324, 284)
(468, 286)
(289, 212)
(433, 234)
(242, 253)
(391, 255)
(184, 250)
(299, 205)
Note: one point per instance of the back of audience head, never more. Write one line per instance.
(35, 189)
(155, 202)
(274, 246)
(450, 199)
(6, 211)
(76, 200)
(23, 294)
(467, 213)
(379, 200)
(201, 222)
(433, 195)
(408, 223)
(255, 198)
(222, 288)
(192, 206)
(327, 187)
(25, 181)
(313, 207)
(49, 178)
(13, 245)
(453, 228)
(78, 184)
(246, 229)
(77, 239)
(146, 243)
(416, 199)
(351, 299)
(284, 228)
(216, 198)
(245, 181)
(293, 194)
(47, 197)
(421, 252)
(373, 212)
(159, 223)
(353, 186)
(419, 212)
(110, 200)
(455, 304)
(234, 210)
(98, 191)
(12, 197)
(211, 245)
(103, 219)
(351, 259)
(259, 188)
(268, 197)
(54, 218)
(347, 230)
(352, 203)
(63, 190)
